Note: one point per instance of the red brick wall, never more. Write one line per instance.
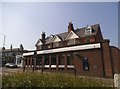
(99, 36)
(107, 59)
(115, 59)
(119, 62)
(94, 59)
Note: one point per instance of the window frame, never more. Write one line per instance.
(88, 30)
(85, 64)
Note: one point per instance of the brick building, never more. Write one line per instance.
(9, 55)
(82, 51)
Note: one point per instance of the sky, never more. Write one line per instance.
(23, 22)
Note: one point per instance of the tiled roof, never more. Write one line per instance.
(79, 31)
(14, 49)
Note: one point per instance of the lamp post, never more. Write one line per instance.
(3, 39)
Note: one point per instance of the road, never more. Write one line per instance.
(5, 70)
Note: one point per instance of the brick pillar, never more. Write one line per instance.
(49, 62)
(34, 63)
(28, 62)
(25, 61)
(107, 59)
(65, 62)
(43, 58)
(57, 61)
(31, 62)
(24, 64)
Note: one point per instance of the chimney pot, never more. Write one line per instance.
(70, 27)
(43, 37)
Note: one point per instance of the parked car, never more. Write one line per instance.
(10, 65)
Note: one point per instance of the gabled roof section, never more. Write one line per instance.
(71, 35)
(39, 42)
(13, 50)
(49, 39)
(79, 32)
(56, 38)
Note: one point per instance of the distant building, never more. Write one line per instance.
(9, 55)
(83, 51)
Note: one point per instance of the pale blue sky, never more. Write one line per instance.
(23, 22)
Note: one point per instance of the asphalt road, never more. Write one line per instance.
(6, 70)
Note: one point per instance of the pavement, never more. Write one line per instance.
(7, 70)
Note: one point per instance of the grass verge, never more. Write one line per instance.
(35, 79)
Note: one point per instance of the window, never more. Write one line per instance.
(61, 60)
(46, 61)
(69, 60)
(71, 42)
(49, 46)
(83, 40)
(53, 60)
(37, 61)
(39, 47)
(77, 41)
(87, 39)
(85, 64)
(56, 44)
(19, 60)
(88, 30)
(92, 39)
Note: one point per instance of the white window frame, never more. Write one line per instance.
(88, 30)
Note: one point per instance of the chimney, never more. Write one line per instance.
(11, 47)
(70, 27)
(43, 37)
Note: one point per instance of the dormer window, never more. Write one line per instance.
(88, 30)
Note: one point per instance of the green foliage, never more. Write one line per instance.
(35, 79)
